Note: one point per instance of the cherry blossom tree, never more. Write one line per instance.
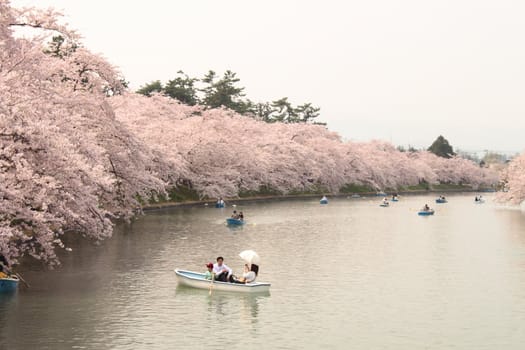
(66, 164)
(513, 179)
(77, 150)
(224, 153)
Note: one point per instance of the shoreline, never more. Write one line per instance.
(186, 204)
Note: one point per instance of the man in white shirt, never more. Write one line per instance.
(222, 272)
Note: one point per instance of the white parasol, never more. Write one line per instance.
(250, 257)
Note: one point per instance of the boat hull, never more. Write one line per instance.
(197, 280)
(425, 212)
(8, 285)
(323, 201)
(441, 201)
(383, 205)
(219, 205)
(236, 222)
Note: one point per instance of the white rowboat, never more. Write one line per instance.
(197, 280)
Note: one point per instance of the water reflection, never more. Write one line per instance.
(375, 279)
(235, 228)
(242, 305)
(8, 304)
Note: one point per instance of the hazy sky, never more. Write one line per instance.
(402, 71)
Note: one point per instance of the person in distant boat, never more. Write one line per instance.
(476, 199)
(324, 198)
(426, 207)
(220, 201)
(241, 216)
(4, 267)
(248, 276)
(394, 196)
(209, 274)
(3, 271)
(222, 272)
(385, 201)
(235, 215)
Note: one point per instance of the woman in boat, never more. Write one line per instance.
(4, 269)
(426, 208)
(3, 273)
(248, 276)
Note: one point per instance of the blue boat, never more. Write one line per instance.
(219, 205)
(8, 284)
(323, 201)
(384, 205)
(441, 200)
(232, 221)
(426, 212)
(395, 200)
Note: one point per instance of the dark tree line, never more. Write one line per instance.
(440, 147)
(213, 91)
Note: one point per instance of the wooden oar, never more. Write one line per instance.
(23, 280)
(211, 283)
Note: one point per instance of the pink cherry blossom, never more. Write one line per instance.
(78, 150)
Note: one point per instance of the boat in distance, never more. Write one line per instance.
(197, 280)
(232, 221)
(426, 212)
(441, 200)
(8, 284)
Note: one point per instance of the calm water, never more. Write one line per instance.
(348, 275)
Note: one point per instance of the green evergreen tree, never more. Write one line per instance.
(148, 89)
(262, 111)
(223, 92)
(183, 89)
(441, 148)
(226, 92)
(307, 113)
(283, 111)
(58, 48)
